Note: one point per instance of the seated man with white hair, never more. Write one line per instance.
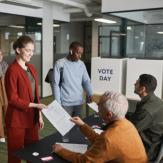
(120, 141)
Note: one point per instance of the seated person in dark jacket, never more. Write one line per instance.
(148, 117)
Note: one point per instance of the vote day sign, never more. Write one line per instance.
(108, 74)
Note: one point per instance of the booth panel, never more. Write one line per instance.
(136, 67)
(107, 74)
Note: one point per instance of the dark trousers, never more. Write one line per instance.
(73, 111)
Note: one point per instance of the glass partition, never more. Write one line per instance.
(108, 42)
(135, 41)
(12, 27)
(142, 35)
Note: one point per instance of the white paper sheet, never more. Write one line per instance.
(98, 131)
(58, 117)
(93, 106)
(78, 148)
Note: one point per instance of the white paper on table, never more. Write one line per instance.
(98, 131)
(93, 106)
(58, 117)
(78, 148)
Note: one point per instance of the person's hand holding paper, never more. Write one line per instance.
(93, 106)
(58, 117)
(77, 121)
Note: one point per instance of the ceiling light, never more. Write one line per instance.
(160, 32)
(129, 28)
(19, 33)
(105, 20)
(39, 23)
(16, 26)
(54, 25)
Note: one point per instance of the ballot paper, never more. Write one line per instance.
(78, 148)
(93, 106)
(58, 117)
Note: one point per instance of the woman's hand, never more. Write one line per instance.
(38, 106)
(77, 121)
(41, 122)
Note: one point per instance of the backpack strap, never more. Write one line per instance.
(61, 63)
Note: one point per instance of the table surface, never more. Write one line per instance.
(44, 146)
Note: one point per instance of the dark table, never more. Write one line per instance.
(44, 146)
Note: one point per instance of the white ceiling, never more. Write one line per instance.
(94, 7)
(88, 7)
(84, 10)
(91, 6)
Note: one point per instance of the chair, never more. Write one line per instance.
(160, 155)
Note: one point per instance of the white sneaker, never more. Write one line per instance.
(2, 140)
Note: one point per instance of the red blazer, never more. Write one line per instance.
(19, 94)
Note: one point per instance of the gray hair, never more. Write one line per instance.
(115, 103)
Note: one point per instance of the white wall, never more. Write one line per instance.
(47, 46)
(124, 5)
(57, 13)
(18, 10)
(94, 39)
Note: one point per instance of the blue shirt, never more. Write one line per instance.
(74, 79)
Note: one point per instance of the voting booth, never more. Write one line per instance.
(108, 74)
(136, 67)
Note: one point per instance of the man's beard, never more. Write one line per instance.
(136, 92)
